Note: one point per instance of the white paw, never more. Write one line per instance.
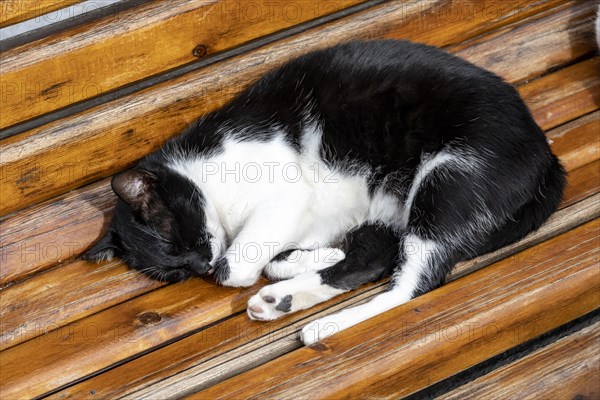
(302, 261)
(240, 281)
(325, 327)
(238, 276)
(269, 304)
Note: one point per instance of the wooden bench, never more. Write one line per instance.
(86, 101)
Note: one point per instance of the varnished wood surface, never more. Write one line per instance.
(54, 232)
(565, 369)
(577, 143)
(440, 333)
(104, 55)
(118, 334)
(13, 11)
(577, 86)
(55, 158)
(544, 32)
(583, 182)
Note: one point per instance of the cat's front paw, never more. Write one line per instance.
(235, 276)
(268, 304)
(324, 327)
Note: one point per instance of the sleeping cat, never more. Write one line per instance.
(342, 167)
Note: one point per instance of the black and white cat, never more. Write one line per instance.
(342, 167)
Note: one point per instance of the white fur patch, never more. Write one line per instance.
(426, 166)
(385, 208)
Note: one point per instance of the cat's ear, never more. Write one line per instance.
(135, 188)
(103, 250)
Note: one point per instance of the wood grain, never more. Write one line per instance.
(69, 153)
(13, 11)
(577, 143)
(577, 87)
(440, 333)
(566, 369)
(238, 344)
(101, 56)
(118, 333)
(583, 182)
(491, 51)
(65, 294)
(54, 232)
(54, 72)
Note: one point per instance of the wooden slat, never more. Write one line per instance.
(440, 333)
(237, 344)
(53, 159)
(566, 369)
(577, 143)
(578, 87)
(494, 47)
(66, 294)
(51, 233)
(13, 11)
(94, 58)
(464, 20)
(225, 23)
(583, 182)
(81, 348)
(35, 239)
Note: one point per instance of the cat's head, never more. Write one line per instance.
(159, 226)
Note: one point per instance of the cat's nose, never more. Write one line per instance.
(199, 267)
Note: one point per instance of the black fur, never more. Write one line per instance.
(371, 254)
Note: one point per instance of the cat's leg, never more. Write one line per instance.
(284, 297)
(446, 219)
(418, 260)
(295, 262)
(266, 233)
(370, 250)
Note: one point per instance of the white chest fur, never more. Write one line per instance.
(247, 178)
